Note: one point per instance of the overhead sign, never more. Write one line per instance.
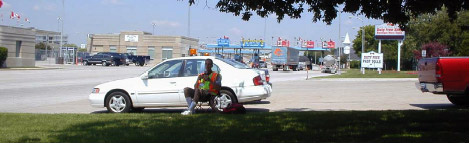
(331, 44)
(389, 32)
(372, 60)
(223, 42)
(131, 38)
(252, 43)
(283, 43)
(308, 44)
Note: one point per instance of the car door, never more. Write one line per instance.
(96, 58)
(160, 88)
(192, 68)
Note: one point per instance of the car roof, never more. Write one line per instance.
(194, 57)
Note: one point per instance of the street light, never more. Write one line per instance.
(153, 24)
(362, 39)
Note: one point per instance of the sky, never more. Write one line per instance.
(82, 17)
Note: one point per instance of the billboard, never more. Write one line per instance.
(308, 44)
(223, 42)
(389, 32)
(331, 44)
(372, 60)
(252, 43)
(283, 43)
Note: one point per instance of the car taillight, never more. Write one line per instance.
(267, 78)
(257, 81)
(438, 72)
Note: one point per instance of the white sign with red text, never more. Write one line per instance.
(389, 32)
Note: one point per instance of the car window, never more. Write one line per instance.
(167, 69)
(202, 66)
(234, 63)
(191, 67)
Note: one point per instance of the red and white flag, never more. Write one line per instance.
(26, 19)
(18, 16)
(1, 3)
(12, 16)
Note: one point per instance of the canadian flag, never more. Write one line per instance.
(1, 3)
(12, 16)
(17, 16)
(26, 19)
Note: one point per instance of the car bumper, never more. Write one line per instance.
(430, 87)
(253, 93)
(96, 100)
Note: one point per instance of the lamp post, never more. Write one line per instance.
(362, 39)
(153, 31)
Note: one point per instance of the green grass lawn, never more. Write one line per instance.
(340, 126)
(356, 73)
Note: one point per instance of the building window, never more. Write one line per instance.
(132, 50)
(18, 48)
(167, 53)
(112, 49)
(151, 52)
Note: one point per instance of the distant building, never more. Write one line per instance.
(20, 44)
(52, 38)
(158, 48)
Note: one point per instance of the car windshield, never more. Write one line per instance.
(234, 63)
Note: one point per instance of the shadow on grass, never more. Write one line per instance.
(348, 126)
(439, 106)
(205, 109)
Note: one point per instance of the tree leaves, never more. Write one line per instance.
(391, 11)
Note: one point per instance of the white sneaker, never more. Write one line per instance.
(187, 112)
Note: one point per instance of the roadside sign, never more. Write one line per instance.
(423, 53)
(223, 42)
(372, 60)
(389, 31)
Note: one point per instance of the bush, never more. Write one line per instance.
(3, 55)
(355, 64)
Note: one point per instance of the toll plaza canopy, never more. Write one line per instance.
(266, 47)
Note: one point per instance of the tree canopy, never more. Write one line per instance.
(391, 11)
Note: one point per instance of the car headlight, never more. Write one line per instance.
(95, 90)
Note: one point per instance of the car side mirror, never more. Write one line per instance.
(144, 76)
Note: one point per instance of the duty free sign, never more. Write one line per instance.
(372, 60)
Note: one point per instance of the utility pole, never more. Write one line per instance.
(339, 48)
(153, 31)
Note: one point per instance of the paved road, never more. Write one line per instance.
(66, 90)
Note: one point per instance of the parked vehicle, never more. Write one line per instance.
(118, 59)
(263, 64)
(163, 84)
(127, 59)
(301, 66)
(285, 58)
(139, 60)
(329, 64)
(445, 75)
(103, 59)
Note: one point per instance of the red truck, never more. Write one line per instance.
(445, 75)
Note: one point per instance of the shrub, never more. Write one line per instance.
(355, 64)
(3, 55)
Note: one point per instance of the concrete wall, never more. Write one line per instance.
(8, 38)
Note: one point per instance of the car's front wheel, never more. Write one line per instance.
(225, 99)
(459, 100)
(118, 102)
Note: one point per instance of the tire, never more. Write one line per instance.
(85, 63)
(459, 100)
(218, 103)
(104, 63)
(118, 102)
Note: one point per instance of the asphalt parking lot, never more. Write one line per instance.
(65, 89)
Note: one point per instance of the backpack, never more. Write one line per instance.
(235, 108)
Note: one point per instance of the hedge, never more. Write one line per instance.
(3, 55)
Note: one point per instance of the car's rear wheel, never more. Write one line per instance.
(85, 63)
(118, 102)
(225, 99)
(103, 63)
(459, 100)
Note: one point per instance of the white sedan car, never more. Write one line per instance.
(163, 84)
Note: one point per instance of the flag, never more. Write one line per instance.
(12, 16)
(26, 19)
(1, 3)
(17, 16)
